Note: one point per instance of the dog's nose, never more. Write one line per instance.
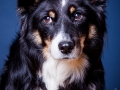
(66, 47)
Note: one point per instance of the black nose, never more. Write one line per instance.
(66, 47)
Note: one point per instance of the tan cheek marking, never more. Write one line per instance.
(72, 9)
(37, 38)
(52, 14)
(78, 66)
(79, 61)
(92, 31)
(46, 53)
(82, 42)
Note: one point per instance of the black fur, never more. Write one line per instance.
(26, 57)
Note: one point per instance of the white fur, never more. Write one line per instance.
(64, 2)
(55, 72)
(54, 49)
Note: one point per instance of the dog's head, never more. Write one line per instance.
(64, 28)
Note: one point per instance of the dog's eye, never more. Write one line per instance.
(77, 16)
(47, 19)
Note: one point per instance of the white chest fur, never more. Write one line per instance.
(55, 72)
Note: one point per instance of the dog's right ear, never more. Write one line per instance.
(99, 5)
(26, 6)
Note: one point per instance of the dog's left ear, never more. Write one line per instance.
(26, 6)
(98, 4)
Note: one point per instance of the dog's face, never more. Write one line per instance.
(63, 27)
(63, 24)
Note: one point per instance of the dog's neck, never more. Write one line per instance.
(55, 72)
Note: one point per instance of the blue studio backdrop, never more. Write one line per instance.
(9, 25)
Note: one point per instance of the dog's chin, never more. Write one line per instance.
(66, 57)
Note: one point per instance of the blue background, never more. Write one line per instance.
(9, 25)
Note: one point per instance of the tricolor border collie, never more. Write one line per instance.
(59, 46)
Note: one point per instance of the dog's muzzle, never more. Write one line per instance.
(63, 47)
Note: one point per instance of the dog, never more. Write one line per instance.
(59, 46)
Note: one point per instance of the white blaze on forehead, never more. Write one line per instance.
(64, 2)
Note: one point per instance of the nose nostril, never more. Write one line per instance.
(66, 47)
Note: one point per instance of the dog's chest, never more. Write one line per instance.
(55, 72)
(53, 75)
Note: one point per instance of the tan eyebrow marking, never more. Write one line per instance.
(36, 37)
(52, 14)
(72, 9)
